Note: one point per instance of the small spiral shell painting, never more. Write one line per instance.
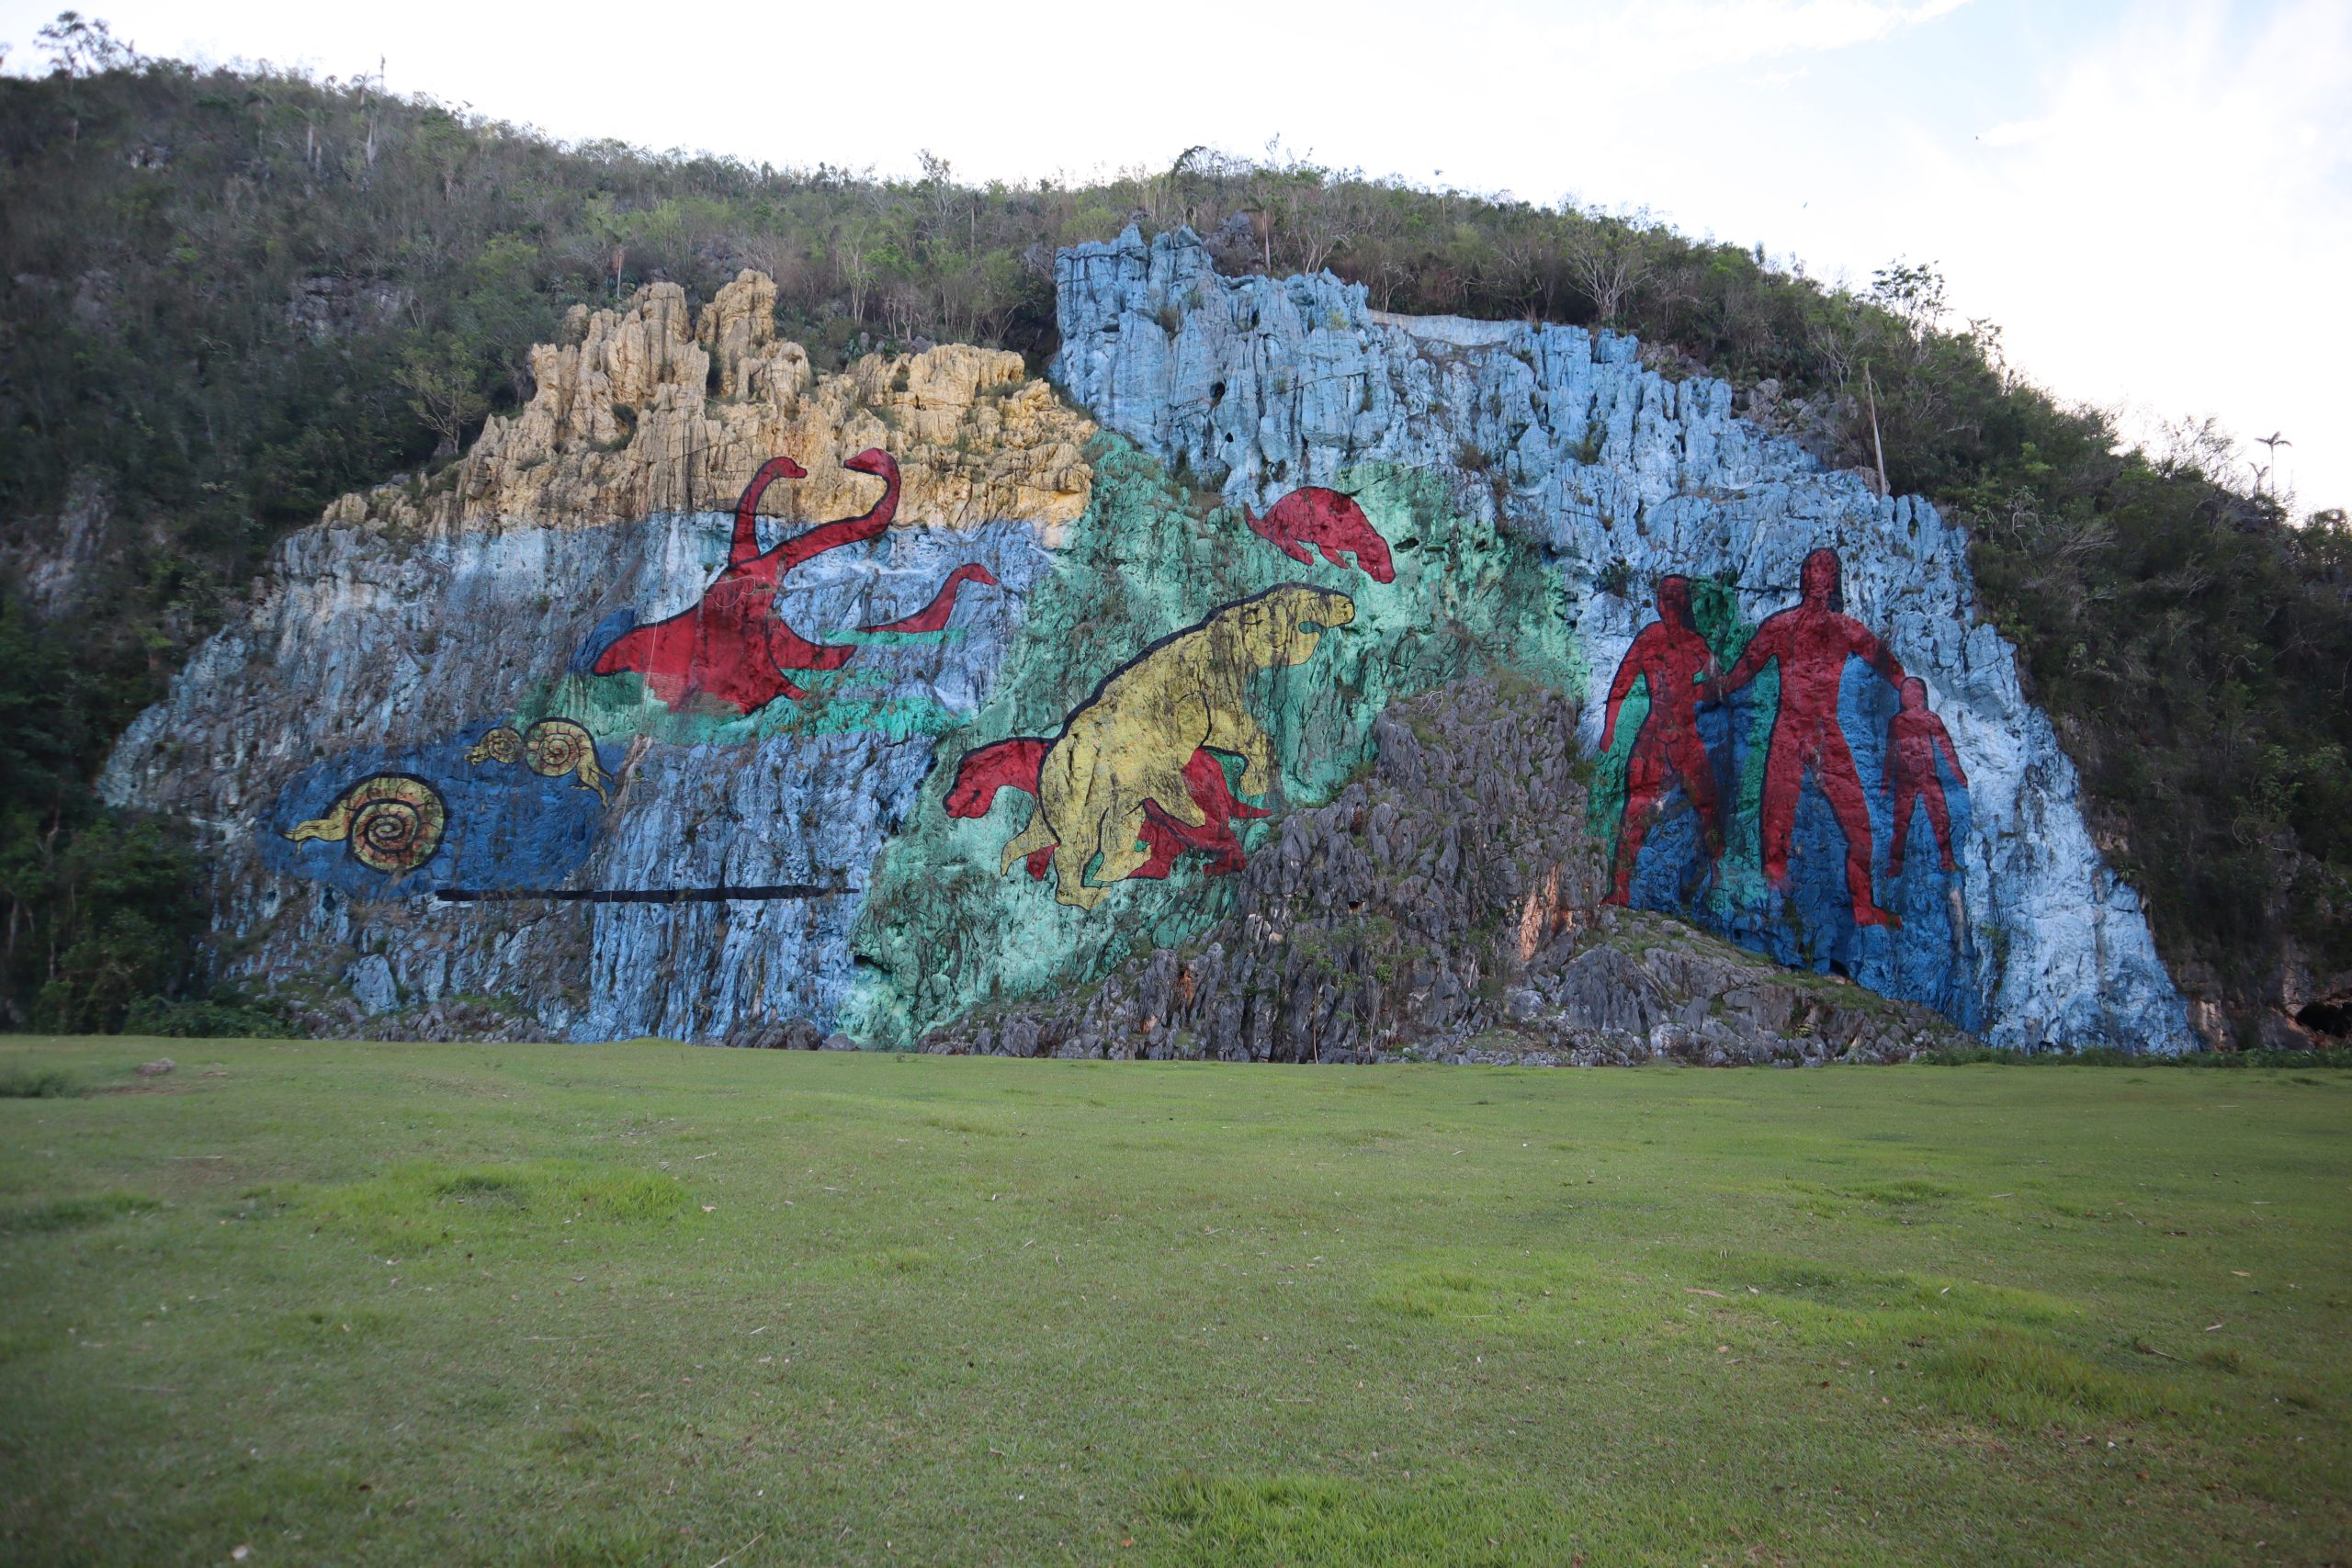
(392, 823)
(501, 745)
(503, 805)
(553, 748)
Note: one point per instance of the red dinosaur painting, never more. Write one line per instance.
(1680, 669)
(933, 616)
(1014, 764)
(1330, 522)
(1812, 641)
(1913, 738)
(733, 647)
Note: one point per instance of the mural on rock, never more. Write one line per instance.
(1758, 790)
(1017, 763)
(1331, 523)
(1812, 645)
(1676, 670)
(1915, 737)
(734, 648)
(553, 748)
(650, 717)
(1141, 752)
(391, 823)
(726, 657)
(1236, 690)
(609, 864)
(1763, 720)
(1622, 479)
(447, 815)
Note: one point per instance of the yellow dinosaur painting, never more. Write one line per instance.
(1128, 745)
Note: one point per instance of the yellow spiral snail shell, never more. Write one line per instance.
(501, 745)
(552, 747)
(392, 822)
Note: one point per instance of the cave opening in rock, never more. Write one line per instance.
(2330, 1016)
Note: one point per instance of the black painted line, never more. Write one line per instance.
(637, 894)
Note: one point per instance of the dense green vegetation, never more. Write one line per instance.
(647, 1303)
(226, 298)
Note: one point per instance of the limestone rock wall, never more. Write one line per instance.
(710, 697)
(657, 409)
(1369, 929)
(414, 622)
(1259, 386)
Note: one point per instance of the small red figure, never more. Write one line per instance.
(1328, 521)
(732, 646)
(1813, 642)
(1007, 764)
(1679, 668)
(933, 615)
(1013, 764)
(1913, 738)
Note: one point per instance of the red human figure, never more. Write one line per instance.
(1330, 522)
(732, 646)
(1813, 642)
(1913, 738)
(1013, 764)
(1679, 668)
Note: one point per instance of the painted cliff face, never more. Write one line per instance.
(1768, 781)
(1138, 776)
(734, 648)
(877, 699)
(696, 677)
(1799, 804)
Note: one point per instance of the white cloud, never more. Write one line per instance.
(2172, 233)
(1681, 38)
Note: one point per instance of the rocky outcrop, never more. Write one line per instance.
(413, 622)
(657, 409)
(1265, 719)
(1624, 478)
(53, 566)
(1448, 908)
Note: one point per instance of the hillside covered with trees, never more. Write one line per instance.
(228, 296)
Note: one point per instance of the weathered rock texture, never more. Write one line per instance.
(953, 920)
(1448, 908)
(1231, 726)
(1259, 386)
(657, 409)
(398, 633)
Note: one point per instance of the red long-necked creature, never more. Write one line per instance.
(1013, 764)
(733, 647)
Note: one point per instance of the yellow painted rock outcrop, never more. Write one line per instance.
(656, 409)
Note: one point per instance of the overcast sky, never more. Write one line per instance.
(2154, 199)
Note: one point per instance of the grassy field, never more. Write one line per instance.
(647, 1303)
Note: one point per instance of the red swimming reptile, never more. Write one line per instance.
(1013, 764)
(1328, 521)
(732, 646)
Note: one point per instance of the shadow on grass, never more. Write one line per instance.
(73, 1213)
(19, 1080)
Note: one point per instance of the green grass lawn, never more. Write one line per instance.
(649, 1303)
